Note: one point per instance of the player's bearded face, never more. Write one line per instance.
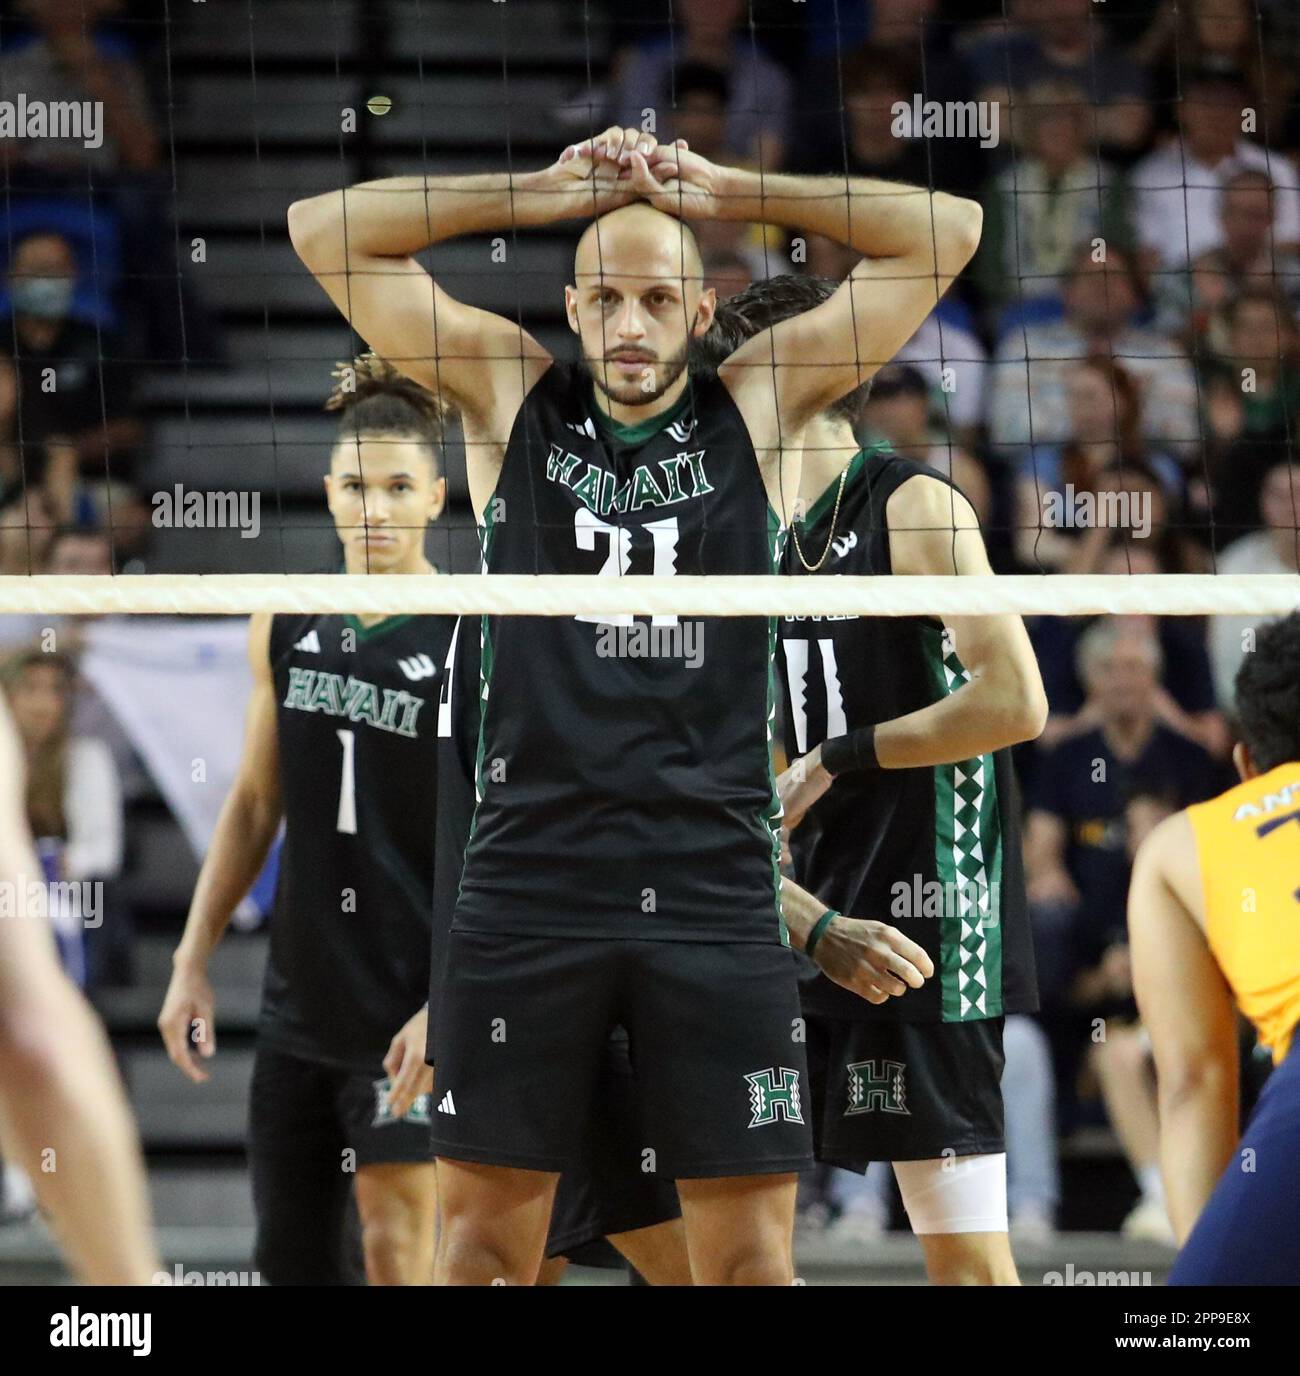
(635, 336)
(636, 377)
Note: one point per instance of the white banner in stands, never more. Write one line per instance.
(179, 689)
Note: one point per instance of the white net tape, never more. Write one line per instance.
(1256, 595)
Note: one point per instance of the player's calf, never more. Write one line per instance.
(957, 1207)
(398, 1208)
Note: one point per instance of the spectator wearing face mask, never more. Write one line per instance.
(68, 392)
(63, 52)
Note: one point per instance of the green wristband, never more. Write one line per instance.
(818, 931)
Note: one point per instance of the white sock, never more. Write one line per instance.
(1153, 1189)
(17, 1195)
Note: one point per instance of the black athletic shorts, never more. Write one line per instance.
(609, 1192)
(303, 1117)
(905, 1091)
(715, 1041)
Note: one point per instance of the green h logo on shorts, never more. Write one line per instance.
(876, 1085)
(774, 1094)
(418, 1113)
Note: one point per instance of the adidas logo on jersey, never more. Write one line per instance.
(447, 1105)
(588, 427)
(309, 644)
(417, 667)
(842, 544)
(680, 430)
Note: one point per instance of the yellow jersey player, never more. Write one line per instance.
(1214, 925)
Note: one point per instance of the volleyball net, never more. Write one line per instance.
(1112, 382)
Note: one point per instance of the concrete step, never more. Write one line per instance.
(272, 29)
(238, 112)
(245, 273)
(175, 1115)
(236, 964)
(431, 31)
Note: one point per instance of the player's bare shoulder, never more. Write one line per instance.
(933, 529)
(1168, 854)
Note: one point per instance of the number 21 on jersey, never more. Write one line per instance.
(587, 527)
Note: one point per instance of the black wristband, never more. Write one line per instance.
(857, 750)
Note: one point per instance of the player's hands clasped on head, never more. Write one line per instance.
(871, 959)
(590, 175)
(676, 181)
(630, 164)
(188, 1022)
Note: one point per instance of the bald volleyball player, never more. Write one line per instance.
(1214, 926)
(623, 864)
(63, 1116)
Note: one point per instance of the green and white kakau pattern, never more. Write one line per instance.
(973, 989)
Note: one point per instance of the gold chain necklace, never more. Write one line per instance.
(794, 529)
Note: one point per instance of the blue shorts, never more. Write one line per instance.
(1249, 1232)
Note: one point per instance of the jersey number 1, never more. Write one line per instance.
(348, 784)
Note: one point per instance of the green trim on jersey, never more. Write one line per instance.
(826, 502)
(389, 623)
(968, 866)
(643, 430)
(486, 538)
(771, 814)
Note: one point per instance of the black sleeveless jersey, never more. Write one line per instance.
(624, 776)
(357, 726)
(934, 852)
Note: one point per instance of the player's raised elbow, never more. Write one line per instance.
(316, 230)
(958, 224)
(1031, 715)
(1014, 698)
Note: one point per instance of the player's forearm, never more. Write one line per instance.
(399, 216)
(65, 1121)
(801, 910)
(989, 713)
(878, 219)
(240, 844)
(1198, 1137)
